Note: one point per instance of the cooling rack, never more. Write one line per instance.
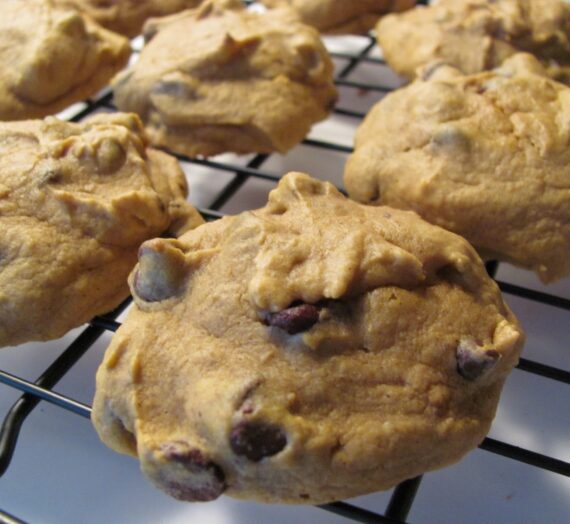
(232, 175)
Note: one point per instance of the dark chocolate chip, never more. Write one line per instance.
(207, 481)
(160, 272)
(256, 440)
(474, 361)
(188, 493)
(172, 88)
(295, 319)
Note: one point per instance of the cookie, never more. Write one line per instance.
(484, 155)
(478, 35)
(338, 17)
(312, 350)
(51, 57)
(221, 79)
(76, 202)
(127, 17)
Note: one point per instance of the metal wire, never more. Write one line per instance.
(403, 495)
(6, 518)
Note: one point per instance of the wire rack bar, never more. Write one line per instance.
(528, 457)
(242, 170)
(358, 514)
(45, 394)
(91, 106)
(355, 60)
(327, 145)
(106, 323)
(21, 409)
(543, 370)
(537, 296)
(363, 86)
(349, 112)
(6, 518)
(369, 59)
(210, 214)
(239, 180)
(402, 499)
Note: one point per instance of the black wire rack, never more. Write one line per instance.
(403, 495)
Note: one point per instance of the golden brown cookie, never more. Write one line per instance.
(220, 78)
(341, 16)
(51, 57)
(127, 17)
(478, 35)
(485, 156)
(312, 350)
(76, 202)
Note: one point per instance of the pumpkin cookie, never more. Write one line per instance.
(485, 156)
(342, 17)
(221, 79)
(76, 202)
(312, 350)
(478, 35)
(127, 17)
(52, 57)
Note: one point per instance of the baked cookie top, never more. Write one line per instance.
(51, 57)
(485, 156)
(220, 78)
(127, 17)
(478, 35)
(312, 350)
(76, 201)
(342, 17)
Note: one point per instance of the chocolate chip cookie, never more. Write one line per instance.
(308, 351)
(484, 155)
(127, 17)
(51, 57)
(478, 35)
(221, 79)
(76, 202)
(338, 17)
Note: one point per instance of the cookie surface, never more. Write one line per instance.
(484, 156)
(338, 17)
(312, 350)
(51, 57)
(127, 17)
(220, 78)
(76, 201)
(478, 35)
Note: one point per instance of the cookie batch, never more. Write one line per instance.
(321, 347)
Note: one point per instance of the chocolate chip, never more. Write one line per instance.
(173, 88)
(207, 480)
(473, 361)
(110, 156)
(295, 319)
(451, 138)
(160, 272)
(256, 440)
